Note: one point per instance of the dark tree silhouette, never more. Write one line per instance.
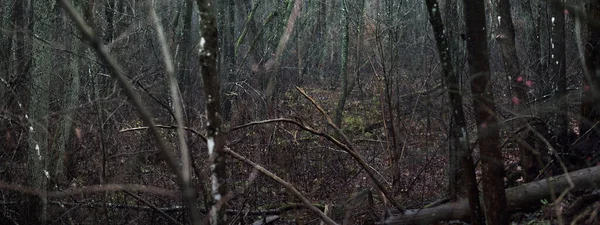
(485, 114)
(459, 126)
(590, 105)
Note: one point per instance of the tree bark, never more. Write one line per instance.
(559, 122)
(590, 104)
(455, 27)
(524, 196)
(229, 59)
(459, 126)
(337, 119)
(208, 53)
(39, 110)
(70, 101)
(183, 57)
(517, 84)
(485, 114)
(272, 66)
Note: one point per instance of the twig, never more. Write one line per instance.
(118, 74)
(189, 195)
(152, 206)
(285, 184)
(348, 147)
(180, 208)
(90, 189)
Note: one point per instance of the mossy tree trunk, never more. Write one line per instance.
(343, 65)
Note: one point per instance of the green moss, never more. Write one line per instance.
(354, 124)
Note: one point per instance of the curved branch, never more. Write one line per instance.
(349, 147)
(285, 184)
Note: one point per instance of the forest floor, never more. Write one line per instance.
(423, 166)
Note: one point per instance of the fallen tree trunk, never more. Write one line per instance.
(519, 197)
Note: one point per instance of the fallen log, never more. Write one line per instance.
(519, 197)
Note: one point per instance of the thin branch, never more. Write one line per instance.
(118, 74)
(285, 184)
(180, 208)
(348, 147)
(189, 194)
(153, 207)
(90, 189)
(261, 169)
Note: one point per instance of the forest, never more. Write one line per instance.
(300, 112)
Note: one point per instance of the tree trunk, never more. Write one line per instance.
(292, 10)
(185, 50)
(517, 84)
(459, 126)
(455, 27)
(322, 37)
(39, 110)
(559, 122)
(70, 102)
(518, 198)
(208, 53)
(485, 114)
(5, 50)
(343, 66)
(229, 63)
(590, 103)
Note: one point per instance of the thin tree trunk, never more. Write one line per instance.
(528, 162)
(70, 101)
(322, 37)
(229, 63)
(343, 65)
(183, 58)
(485, 114)
(39, 111)
(455, 27)
(5, 49)
(208, 53)
(292, 10)
(558, 73)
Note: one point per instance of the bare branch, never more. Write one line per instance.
(189, 194)
(348, 147)
(90, 189)
(153, 207)
(118, 74)
(285, 184)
